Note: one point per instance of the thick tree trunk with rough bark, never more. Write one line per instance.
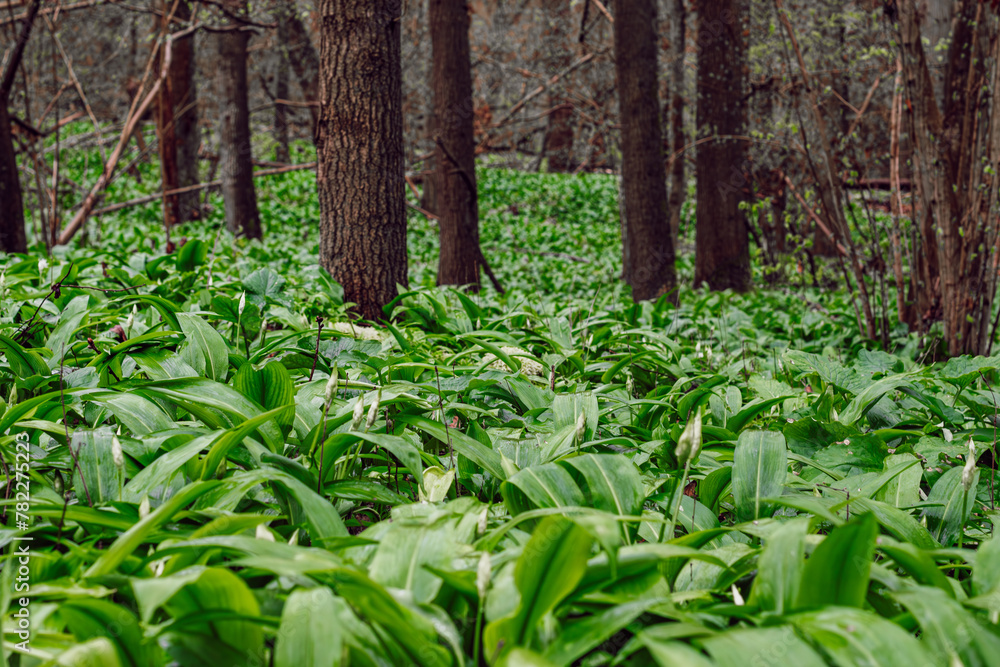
(184, 93)
(722, 256)
(678, 183)
(235, 157)
(647, 245)
(177, 126)
(557, 57)
(455, 172)
(299, 52)
(956, 160)
(12, 235)
(360, 151)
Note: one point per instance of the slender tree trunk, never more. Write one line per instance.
(12, 235)
(455, 173)
(558, 56)
(678, 184)
(184, 93)
(360, 150)
(165, 133)
(647, 246)
(235, 158)
(722, 257)
(281, 111)
(298, 49)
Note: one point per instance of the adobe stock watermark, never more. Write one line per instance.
(20, 554)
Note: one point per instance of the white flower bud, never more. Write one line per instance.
(969, 471)
(359, 413)
(483, 575)
(144, 507)
(373, 410)
(689, 444)
(581, 426)
(116, 452)
(264, 534)
(243, 303)
(331, 388)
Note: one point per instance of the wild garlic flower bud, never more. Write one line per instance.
(689, 444)
(581, 427)
(969, 471)
(483, 575)
(331, 388)
(373, 410)
(359, 413)
(116, 452)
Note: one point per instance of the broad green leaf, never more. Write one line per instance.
(552, 564)
(270, 387)
(208, 342)
(949, 632)
(760, 465)
(310, 635)
(868, 397)
(101, 477)
(130, 540)
(779, 568)
(69, 321)
(89, 618)
(945, 520)
(546, 485)
(837, 572)
(778, 645)
(854, 637)
(23, 362)
(96, 652)
(468, 447)
(579, 637)
(610, 482)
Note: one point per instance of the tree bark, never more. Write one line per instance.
(299, 51)
(678, 183)
(184, 93)
(235, 158)
(646, 241)
(722, 257)
(455, 165)
(956, 159)
(360, 150)
(177, 126)
(12, 235)
(281, 112)
(558, 56)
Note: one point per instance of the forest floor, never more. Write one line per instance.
(553, 476)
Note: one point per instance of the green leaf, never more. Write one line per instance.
(760, 465)
(872, 394)
(472, 449)
(130, 540)
(24, 363)
(97, 652)
(853, 637)
(88, 619)
(945, 520)
(310, 635)
(837, 572)
(553, 562)
(779, 568)
(777, 645)
(209, 344)
(270, 387)
(546, 485)
(101, 476)
(578, 638)
(69, 321)
(610, 482)
(751, 411)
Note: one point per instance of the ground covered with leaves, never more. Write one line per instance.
(556, 476)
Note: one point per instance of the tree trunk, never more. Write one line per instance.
(558, 56)
(956, 156)
(184, 94)
(12, 234)
(678, 184)
(360, 151)
(177, 126)
(235, 158)
(722, 257)
(455, 172)
(300, 53)
(647, 246)
(281, 153)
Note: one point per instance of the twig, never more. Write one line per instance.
(69, 443)
(447, 433)
(319, 333)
